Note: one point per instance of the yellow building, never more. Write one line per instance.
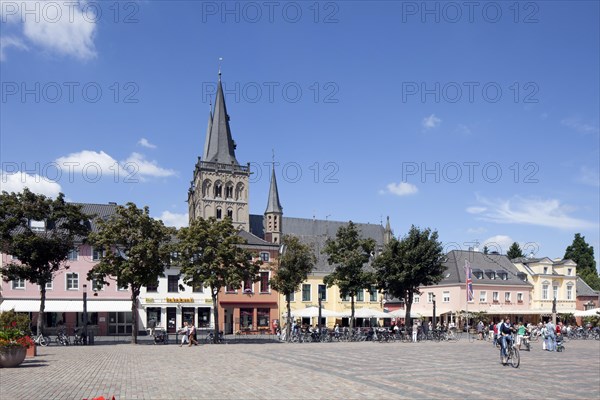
(551, 279)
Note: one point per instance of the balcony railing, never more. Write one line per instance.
(224, 167)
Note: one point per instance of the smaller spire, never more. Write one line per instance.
(273, 204)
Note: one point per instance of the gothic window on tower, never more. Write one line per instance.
(206, 188)
(270, 223)
(239, 191)
(230, 213)
(219, 213)
(275, 223)
(218, 189)
(229, 190)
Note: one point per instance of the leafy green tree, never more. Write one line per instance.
(209, 254)
(136, 251)
(514, 251)
(296, 261)
(405, 265)
(349, 253)
(583, 254)
(39, 232)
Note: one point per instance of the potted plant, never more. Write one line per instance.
(14, 338)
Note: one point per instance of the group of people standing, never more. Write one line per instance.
(188, 334)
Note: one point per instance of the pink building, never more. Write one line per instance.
(109, 307)
(499, 289)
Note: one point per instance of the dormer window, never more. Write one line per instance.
(477, 273)
(37, 226)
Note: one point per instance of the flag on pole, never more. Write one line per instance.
(469, 281)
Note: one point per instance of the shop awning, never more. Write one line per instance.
(66, 305)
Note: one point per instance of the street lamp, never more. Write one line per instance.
(434, 321)
(85, 315)
(320, 302)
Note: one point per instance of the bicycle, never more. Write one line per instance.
(42, 340)
(210, 338)
(62, 338)
(513, 358)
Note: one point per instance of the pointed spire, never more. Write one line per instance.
(219, 145)
(208, 128)
(387, 234)
(273, 204)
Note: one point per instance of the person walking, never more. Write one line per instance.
(192, 335)
(185, 333)
(551, 329)
(415, 331)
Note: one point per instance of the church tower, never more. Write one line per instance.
(387, 234)
(273, 213)
(220, 186)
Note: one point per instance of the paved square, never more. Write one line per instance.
(303, 371)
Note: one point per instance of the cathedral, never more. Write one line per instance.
(220, 188)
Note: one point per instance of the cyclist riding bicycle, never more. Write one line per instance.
(505, 331)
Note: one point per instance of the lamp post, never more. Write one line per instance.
(319, 321)
(85, 315)
(434, 321)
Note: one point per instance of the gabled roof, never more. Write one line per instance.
(254, 240)
(490, 264)
(583, 289)
(219, 146)
(95, 211)
(315, 232)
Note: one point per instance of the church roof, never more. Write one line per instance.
(219, 146)
(315, 232)
(273, 204)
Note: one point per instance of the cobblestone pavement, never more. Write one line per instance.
(304, 371)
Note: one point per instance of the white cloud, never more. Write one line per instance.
(400, 189)
(93, 165)
(65, 28)
(431, 122)
(580, 126)
(10, 41)
(16, 182)
(146, 168)
(532, 211)
(589, 176)
(499, 243)
(145, 143)
(174, 219)
(89, 162)
(476, 210)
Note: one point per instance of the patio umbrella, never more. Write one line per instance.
(587, 313)
(370, 313)
(313, 312)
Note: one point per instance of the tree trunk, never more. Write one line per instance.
(408, 302)
(134, 316)
(40, 320)
(288, 328)
(352, 312)
(215, 299)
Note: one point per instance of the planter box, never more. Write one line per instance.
(31, 351)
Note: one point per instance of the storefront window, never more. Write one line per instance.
(188, 314)
(263, 317)
(203, 317)
(153, 313)
(246, 315)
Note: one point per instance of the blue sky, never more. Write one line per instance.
(480, 123)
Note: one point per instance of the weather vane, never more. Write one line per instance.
(220, 62)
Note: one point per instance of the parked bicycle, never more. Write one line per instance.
(210, 338)
(62, 338)
(42, 340)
